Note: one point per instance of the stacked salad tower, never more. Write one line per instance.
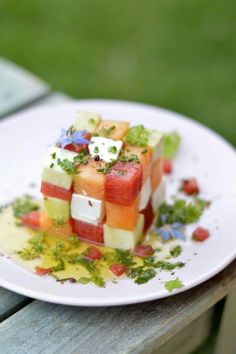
(103, 181)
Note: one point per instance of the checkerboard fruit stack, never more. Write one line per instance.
(103, 181)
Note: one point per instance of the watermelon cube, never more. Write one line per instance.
(123, 183)
(88, 232)
(148, 216)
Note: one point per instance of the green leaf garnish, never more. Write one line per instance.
(173, 284)
(24, 206)
(107, 131)
(182, 211)
(171, 145)
(137, 136)
(112, 149)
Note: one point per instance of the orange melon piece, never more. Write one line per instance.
(144, 155)
(156, 173)
(88, 181)
(47, 224)
(122, 217)
(112, 129)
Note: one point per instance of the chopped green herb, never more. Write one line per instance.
(122, 173)
(112, 149)
(96, 150)
(107, 167)
(107, 131)
(52, 164)
(92, 121)
(164, 265)
(119, 256)
(58, 250)
(38, 247)
(74, 241)
(83, 280)
(141, 275)
(67, 166)
(54, 155)
(171, 145)
(129, 158)
(59, 223)
(176, 251)
(173, 284)
(59, 266)
(144, 151)
(137, 136)
(24, 206)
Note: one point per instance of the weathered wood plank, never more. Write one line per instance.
(226, 341)
(10, 303)
(189, 338)
(138, 328)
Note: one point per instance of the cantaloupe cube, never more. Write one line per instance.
(55, 226)
(122, 217)
(156, 173)
(88, 181)
(123, 239)
(112, 129)
(144, 155)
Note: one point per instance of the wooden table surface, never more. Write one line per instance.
(162, 326)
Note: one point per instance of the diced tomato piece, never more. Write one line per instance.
(50, 190)
(117, 269)
(93, 253)
(148, 216)
(31, 219)
(190, 186)
(42, 271)
(200, 234)
(89, 232)
(143, 250)
(123, 183)
(167, 166)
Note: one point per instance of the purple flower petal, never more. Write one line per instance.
(164, 234)
(78, 137)
(64, 141)
(177, 234)
(177, 225)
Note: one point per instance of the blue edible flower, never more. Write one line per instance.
(167, 231)
(74, 137)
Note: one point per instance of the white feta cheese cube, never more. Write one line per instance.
(155, 141)
(87, 121)
(52, 171)
(87, 209)
(106, 149)
(145, 194)
(123, 239)
(158, 197)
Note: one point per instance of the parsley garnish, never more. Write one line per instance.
(59, 223)
(37, 248)
(67, 166)
(176, 251)
(173, 284)
(52, 164)
(130, 158)
(92, 121)
(141, 275)
(137, 136)
(182, 211)
(107, 167)
(54, 155)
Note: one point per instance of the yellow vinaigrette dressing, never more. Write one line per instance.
(15, 238)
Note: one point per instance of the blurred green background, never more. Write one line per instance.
(179, 54)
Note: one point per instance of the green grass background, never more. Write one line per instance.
(179, 54)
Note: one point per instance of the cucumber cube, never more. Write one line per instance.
(57, 208)
(87, 121)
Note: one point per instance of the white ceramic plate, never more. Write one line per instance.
(203, 154)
